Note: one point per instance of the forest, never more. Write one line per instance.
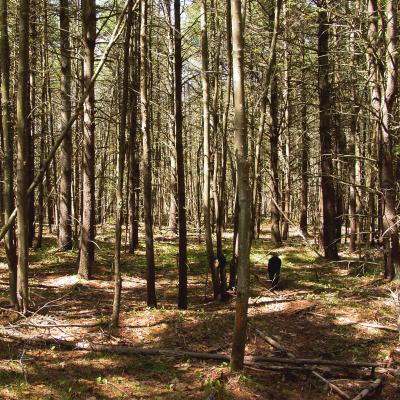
(199, 199)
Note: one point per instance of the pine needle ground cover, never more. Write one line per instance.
(326, 310)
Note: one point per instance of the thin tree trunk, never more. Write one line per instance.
(40, 211)
(182, 258)
(240, 143)
(274, 139)
(134, 170)
(32, 115)
(23, 154)
(206, 147)
(86, 258)
(263, 109)
(146, 159)
(328, 189)
(305, 143)
(119, 209)
(65, 229)
(8, 143)
(388, 185)
(222, 180)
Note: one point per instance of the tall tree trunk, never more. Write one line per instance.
(173, 201)
(182, 297)
(119, 209)
(263, 109)
(8, 143)
(225, 118)
(388, 185)
(43, 129)
(328, 189)
(86, 258)
(274, 139)
(305, 143)
(65, 229)
(286, 143)
(240, 143)
(23, 154)
(206, 147)
(32, 116)
(134, 170)
(146, 159)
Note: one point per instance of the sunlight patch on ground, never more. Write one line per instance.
(345, 320)
(62, 281)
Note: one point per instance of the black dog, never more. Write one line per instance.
(274, 270)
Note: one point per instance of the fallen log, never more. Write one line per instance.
(119, 349)
(280, 347)
(129, 350)
(376, 384)
(316, 361)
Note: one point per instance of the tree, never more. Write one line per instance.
(86, 255)
(390, 232)
(8, 142)
(182, 258)
(274, 160)
(65, 233)
(23, 155)
(327, 187)
(206, 147)
(119, 210)
(240, 145)
(146, 159)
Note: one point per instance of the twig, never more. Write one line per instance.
(378, 326)
(278, 346)
(371, 388)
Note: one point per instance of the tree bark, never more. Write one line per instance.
(388, 185)
(274, 139)
(182, 258)
(206, 147)
(240, 143)
(134, 170)
(86, 258)
(305, 144)
(8, 143)
(146, 159)
(65, 231)
(329, 236)
(22, 155)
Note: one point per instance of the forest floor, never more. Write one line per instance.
(319, 311)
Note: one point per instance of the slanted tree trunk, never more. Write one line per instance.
(240, 143)
(23, 154)
(182, 259)
(119, 208)
(146, 159)
(329, 236)
(65, 229)
(86, 258)
(8, 143)
(206, 147)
